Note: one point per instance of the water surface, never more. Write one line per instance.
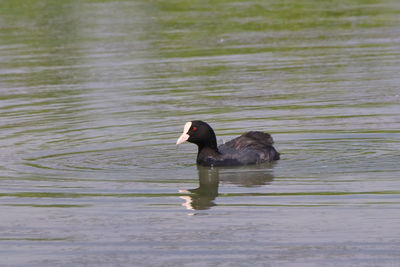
(94, 94)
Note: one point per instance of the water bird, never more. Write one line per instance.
(252, 147)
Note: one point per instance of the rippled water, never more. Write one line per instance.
(94, 94)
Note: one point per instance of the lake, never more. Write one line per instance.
(94, 94)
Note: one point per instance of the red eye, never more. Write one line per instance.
(194, 129)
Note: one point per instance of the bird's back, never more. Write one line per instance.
(251, 147)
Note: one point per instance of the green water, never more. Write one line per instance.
(94, 94)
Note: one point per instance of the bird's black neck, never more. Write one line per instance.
(209, 144)
(209, 148)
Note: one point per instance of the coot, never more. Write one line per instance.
(250, 148)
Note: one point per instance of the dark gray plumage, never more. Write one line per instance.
(250, 148)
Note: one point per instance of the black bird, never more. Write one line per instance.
(250, 148)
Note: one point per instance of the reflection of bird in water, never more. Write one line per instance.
(247, 176)
(203, 197)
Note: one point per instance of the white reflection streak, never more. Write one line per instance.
(188, 204)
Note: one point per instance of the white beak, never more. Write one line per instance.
(184, 137)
